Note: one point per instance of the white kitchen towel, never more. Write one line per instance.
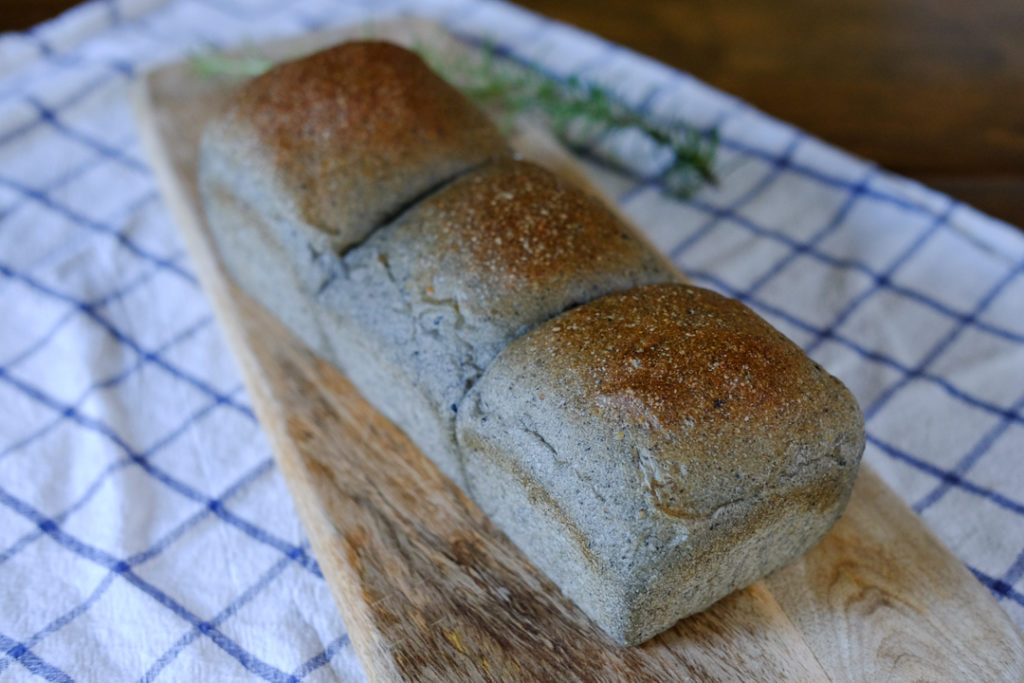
(144, 530)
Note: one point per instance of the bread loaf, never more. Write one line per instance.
(650, 445)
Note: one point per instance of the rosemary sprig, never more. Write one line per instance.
(248, 64)
(581, 114)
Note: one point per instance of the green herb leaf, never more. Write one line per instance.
(241, 65)
(580, 114)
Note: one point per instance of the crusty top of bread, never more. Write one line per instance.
(716, 403)
(515, 244)
(354, 133)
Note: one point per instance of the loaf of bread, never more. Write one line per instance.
(650, 445)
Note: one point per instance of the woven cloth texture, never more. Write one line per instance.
(145, 532)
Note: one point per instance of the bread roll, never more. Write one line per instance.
(650, 445)
(656, 449)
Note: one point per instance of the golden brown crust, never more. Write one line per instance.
(524, 223)
(675, 355)
(515, 235)
(719, 404)
(356, 116)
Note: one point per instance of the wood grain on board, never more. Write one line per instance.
(430, 590)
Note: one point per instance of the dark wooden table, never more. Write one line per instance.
(932, 89)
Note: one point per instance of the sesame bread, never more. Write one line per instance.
(650, 445)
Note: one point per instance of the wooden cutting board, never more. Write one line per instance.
(430, 590)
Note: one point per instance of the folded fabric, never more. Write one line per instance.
(144, 530)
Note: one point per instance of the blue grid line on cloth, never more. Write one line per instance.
(806, 246)
(57, 624)
(771, 157)
(261, 469)
(17, 654)
(944, 342)
(293, 552)
(124, 570)
(123, 338)
(201, 628)
(883, 279)
(107, 383)
(1004, 585)
(321, 659)
(717, 215)
(863, 352)
(77, 172)
(69, 61)
(245, 597)
(128, 210)
(99, 227)
(72, 99)
(998, 587)
(36, 346)
(304, 669)
(1016, 571)
(113, 17)
(32, 662)
(19, 651)
(139, 558)
(213, 507)
(71, 412)
(47, 115)
(94, 486)
(971, 458)
(940, 220)
(825, 178)
(946, 475)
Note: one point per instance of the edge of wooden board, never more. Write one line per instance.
(880, 596)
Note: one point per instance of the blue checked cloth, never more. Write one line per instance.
(144, 530)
